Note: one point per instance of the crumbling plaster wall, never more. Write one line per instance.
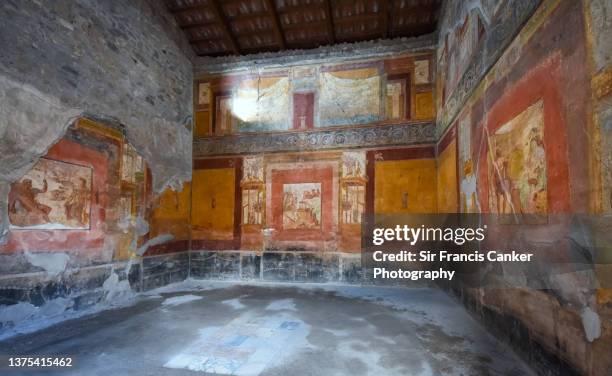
(472, 35)
(566, 321)
(121, 61)
(126, 64)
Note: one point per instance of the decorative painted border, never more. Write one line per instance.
(325, 54)
(370, 136)
(504, 29)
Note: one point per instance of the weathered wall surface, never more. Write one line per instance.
(323, 94)
(80, 220)
(521, 113)
(123, 60)
(285, 154)
(73, 225)
(472, 36)
(74, 221)
(598, 16)
(171, 211)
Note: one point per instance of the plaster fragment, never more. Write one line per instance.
(52, 263)
(161, 239)
(591, 323)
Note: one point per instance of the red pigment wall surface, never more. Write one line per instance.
(548, 62)
(86, 240)
(552, 67)
(541, 83)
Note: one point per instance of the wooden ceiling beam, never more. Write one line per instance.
(358, 18)
(211, 53)
(208, 50)
(411, 30)
(306, 24)
(246, 16)
(280, 38)
(242, 17)
(331, 32)
(301, 8)
(204, 40)
(385, 18)
(316, 19)
(432, 7)
(418, 20)
(308, 43)
(188, 8)
(216, 8)
(249, 32)
(196, 25)
(345, 20)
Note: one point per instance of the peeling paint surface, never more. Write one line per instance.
(591, 323)
(161, 239)
(52, 263)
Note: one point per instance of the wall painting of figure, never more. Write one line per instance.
(53, 195)
(302, 206)
(517, 164)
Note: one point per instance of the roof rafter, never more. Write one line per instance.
(216, 8)
(330, 21)
(385, 15)
(280, 38)
(196, 25)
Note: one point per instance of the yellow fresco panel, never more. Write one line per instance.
(212, 208)
(171, 213)
(447, 179)
(406, 186)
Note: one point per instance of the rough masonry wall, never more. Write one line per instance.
(78, 205)
(122, 61)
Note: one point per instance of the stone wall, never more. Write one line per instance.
(127, 66)
(125, 62)
(287, 267)
(161, 270)
(38, 299)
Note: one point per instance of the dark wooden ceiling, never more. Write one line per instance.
(234, 27)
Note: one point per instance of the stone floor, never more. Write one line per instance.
(229, 329)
